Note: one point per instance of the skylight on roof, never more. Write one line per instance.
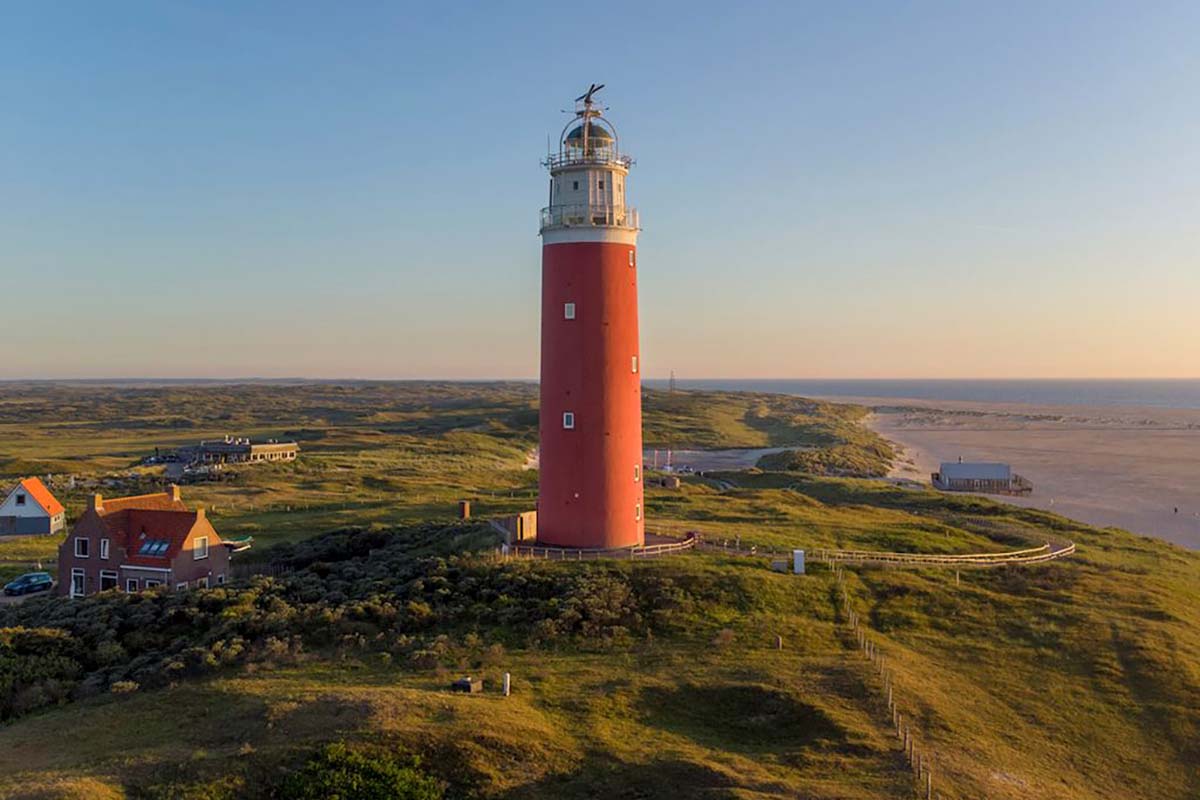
(153, 547)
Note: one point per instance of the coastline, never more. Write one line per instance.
(1129, 467)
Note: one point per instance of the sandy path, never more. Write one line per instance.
(1124, 467)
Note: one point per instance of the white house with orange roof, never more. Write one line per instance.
(30, 508)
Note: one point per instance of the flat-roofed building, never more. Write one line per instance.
(979, 476)
(240, 450)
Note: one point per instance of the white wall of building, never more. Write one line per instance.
(10, 507)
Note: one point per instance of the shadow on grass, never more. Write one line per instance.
(745, 718)
(603, 777)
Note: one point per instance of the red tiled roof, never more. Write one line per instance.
(162, 501)
(172, 526)
(38, 491)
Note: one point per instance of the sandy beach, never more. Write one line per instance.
(1108, 466)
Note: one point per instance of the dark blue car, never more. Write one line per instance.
(28, 583)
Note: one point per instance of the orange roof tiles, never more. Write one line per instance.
(38, 491)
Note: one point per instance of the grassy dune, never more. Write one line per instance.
(1075, 680)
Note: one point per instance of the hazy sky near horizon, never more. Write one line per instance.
(221, 189)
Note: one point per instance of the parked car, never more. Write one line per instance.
(28, 583)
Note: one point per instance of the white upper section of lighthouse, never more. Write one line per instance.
(588, 181)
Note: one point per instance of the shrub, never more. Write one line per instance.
(340, 773)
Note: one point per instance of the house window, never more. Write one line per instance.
(575, 185)
(637, 512)
(202, 582)
(131, 584)
(108, 580)
(569, 420)
(201, 549)
(568, 311)
(104, 549)
(151, 583)
(601, 184)
(181, 586)
(20, 499)
(634, 363)
(81, 548)
(637, 472)
(220, 579)
(77, 582)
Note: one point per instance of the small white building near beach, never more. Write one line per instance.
(980, 476)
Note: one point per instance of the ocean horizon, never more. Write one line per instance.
(1183, 393)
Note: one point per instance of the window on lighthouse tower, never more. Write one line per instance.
(569, 420)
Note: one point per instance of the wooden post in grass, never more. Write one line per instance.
(507, 684)
(778, 642)
(928, 783)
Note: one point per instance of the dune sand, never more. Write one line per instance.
(1123, 467)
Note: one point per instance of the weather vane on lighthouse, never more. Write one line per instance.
(590, 479)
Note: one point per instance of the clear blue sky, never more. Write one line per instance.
(827, 190)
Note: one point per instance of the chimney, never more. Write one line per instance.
(96, 503)
(199, 513)
(173, 491)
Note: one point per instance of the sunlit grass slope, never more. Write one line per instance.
(1076, 680)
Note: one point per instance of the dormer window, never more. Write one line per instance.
(20, 499)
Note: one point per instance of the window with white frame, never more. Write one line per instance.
(151, 583)
(569, 420)
(131, 584)
(181, 586)
(81, 548)
(77, 582)
(108, 580)
(220, 579)
(634, 363)
(201, 549)
(202, 582)
(104, 549)
(568, 311)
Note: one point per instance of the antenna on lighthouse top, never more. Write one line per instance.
(586, 97)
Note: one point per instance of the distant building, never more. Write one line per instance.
(240, 450)
(985, 477)
(135, 543)
(30, 508)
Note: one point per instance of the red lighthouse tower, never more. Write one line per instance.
(590, 492)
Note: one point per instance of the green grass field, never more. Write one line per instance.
(1075, 680)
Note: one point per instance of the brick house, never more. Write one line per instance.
(135, 543)
(30, 508)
